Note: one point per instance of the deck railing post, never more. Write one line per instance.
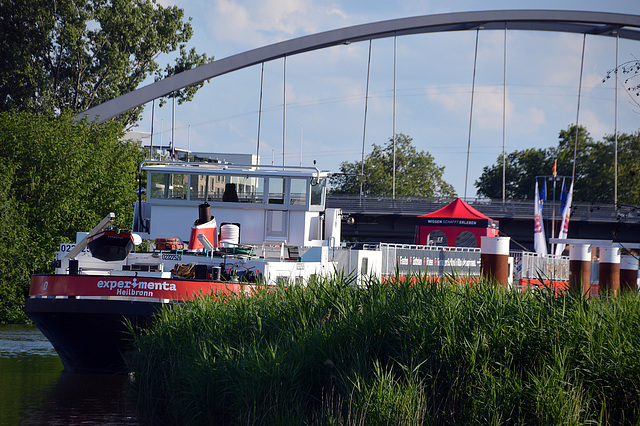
(494, 259)
(628, 273)
(609, 272)
(580, 268)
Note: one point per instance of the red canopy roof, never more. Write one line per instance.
(458, 209)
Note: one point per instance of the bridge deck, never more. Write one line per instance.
(495, 209)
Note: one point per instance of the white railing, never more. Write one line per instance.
(430, 260)
(528, 265)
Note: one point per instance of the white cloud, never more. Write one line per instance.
(229, 20)
(253, 23)
(451, 100)
(594, 124)
(536, 117)
(488, 107)
(165, 3)
(591, 81)
(487, 104)
(523, 119)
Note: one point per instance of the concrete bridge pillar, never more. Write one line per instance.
(580, 268)
(609, 271)
(494, 259)
(628, 273)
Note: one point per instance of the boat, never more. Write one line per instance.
(254, 224)
(111, 244)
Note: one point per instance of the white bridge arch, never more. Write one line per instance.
(597, 23)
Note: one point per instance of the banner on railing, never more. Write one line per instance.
(431, 261)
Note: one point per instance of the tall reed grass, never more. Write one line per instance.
(398, 354)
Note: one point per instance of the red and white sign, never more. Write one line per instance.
(140, 287)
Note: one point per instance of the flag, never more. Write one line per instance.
(554, 172)
(563, 196)
(564, 227)
(539, 240)
(543, 195)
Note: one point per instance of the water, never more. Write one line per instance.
(34, 389)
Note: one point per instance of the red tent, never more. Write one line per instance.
(455, 225)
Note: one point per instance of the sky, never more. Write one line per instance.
(325, 89)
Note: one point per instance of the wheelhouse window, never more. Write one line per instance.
(318, 191)
(199, 186)
(250, 189)
(218, 184)
(158, 185)
(179, 186)
(169, 185)
(276, 190)
(234, 189)
(298, 192)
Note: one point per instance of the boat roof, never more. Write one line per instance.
(233, 169)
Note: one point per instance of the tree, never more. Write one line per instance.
(58, 175)
(594, 172)
(75, 54)
(630, 70)
(416, 173)
(628, 167)
(521, 170)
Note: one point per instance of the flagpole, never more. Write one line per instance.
(553, 219)
(553, 208)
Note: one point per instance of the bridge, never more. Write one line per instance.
(603, 24)
(393, 220)
(383, 219)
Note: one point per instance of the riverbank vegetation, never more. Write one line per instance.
(58, 175)
(330, 353)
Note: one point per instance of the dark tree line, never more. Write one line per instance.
(594, 179)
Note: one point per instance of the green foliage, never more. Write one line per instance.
(75, 54)
(57, 176)
(628, 167)
(521, 170)
(330, 353)
(416, 173)
(594, 168)
(14, 237)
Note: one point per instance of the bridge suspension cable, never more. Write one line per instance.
(284, 106)
(364, 128)
(504, 118)
(395, 57)
(615, 129)
(260, 111)
(473, 86)
(575, 145)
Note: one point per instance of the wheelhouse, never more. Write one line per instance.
(268, 203)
